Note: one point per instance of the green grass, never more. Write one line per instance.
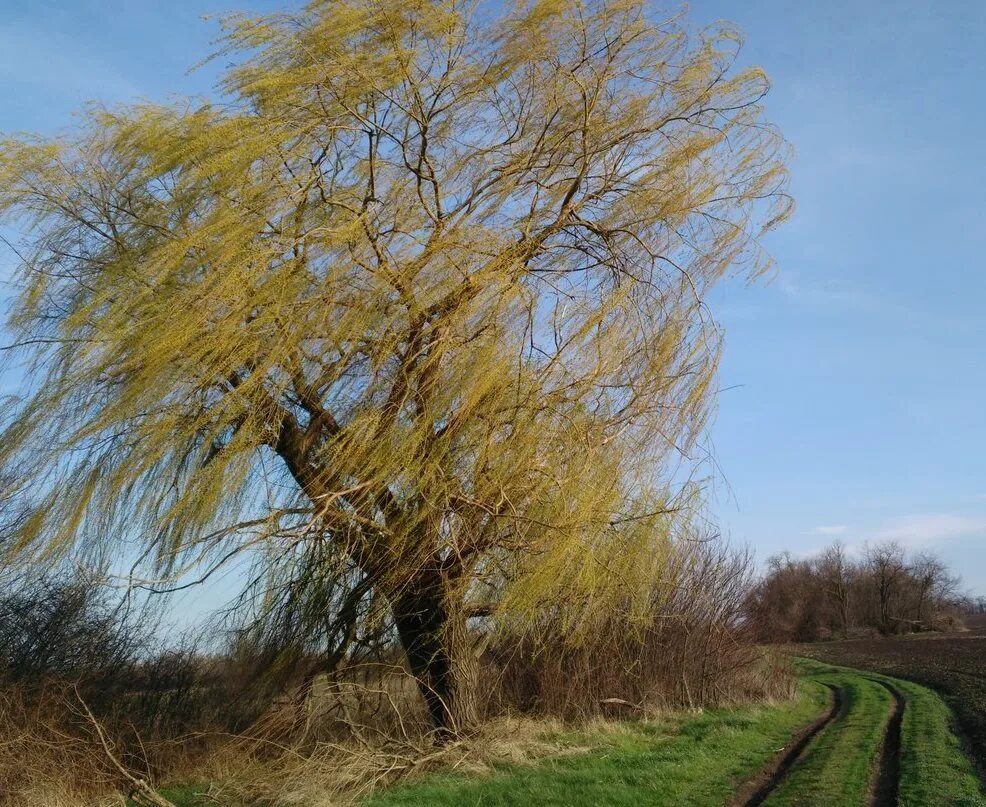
(836, 770)
(700, 759)
(694, 761)
(934, 772)
(185, 796)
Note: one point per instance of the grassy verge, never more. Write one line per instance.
(698, 760)
(837, 768)
(934, 772)
(953, 666)
(701, 759)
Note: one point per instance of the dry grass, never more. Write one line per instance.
(179, 717)
(366, 731)
(342, 773)
(354, 733)
(47, 757)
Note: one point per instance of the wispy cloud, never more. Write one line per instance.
(835, 296)
(840, 298)
(929, 529)
(914, 532)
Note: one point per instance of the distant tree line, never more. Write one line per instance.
(975, 605)
(834, 595)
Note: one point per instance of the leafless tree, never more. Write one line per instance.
(837, 575)
(885, 590)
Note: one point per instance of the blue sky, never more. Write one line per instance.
(854, 383)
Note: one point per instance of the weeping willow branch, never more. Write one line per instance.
(427, 287)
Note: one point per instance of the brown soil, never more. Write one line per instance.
(886, 774)
(953, 664)
(756, 790)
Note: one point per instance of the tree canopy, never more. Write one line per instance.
(414, 315)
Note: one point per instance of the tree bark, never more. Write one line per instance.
(426, 630)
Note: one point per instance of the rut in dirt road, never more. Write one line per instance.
(886, 780)
(756, 791)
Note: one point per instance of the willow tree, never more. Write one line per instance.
(413, 315)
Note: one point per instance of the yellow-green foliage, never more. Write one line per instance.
(424, 290)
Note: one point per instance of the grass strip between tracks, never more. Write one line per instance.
(837, 768)
(842, 766)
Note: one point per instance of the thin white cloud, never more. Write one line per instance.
(833, 296)
(929, 529)
(913, 532)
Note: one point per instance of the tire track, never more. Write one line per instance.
(886, 778)
(756, 791)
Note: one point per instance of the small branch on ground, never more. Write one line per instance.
(140, 791)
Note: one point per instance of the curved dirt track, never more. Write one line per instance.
(756, 791)
(886, 779)
(886, 771)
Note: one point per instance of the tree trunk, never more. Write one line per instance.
(844, 612)
(921, 598)
(426, 630)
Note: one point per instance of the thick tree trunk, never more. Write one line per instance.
(426, 630)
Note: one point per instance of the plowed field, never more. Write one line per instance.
(954, 664)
